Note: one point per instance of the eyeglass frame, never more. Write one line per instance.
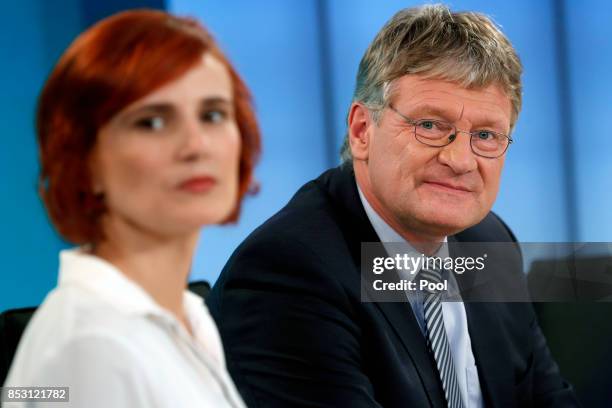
(414, 123)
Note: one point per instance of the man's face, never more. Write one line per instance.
(428, 192)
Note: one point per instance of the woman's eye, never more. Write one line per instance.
(214, 116)
(153, 123)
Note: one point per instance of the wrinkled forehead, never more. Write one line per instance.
(419, 96)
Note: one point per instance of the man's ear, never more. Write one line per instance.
(359, 131)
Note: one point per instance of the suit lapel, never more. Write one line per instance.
(494, 369)
(401, 319)
(342, 187)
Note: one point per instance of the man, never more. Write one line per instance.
(437, 95)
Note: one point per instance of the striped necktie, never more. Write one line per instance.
(437, 340)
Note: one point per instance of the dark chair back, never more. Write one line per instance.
(12, 325)
(575, 313)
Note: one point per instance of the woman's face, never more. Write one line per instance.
(168, 163)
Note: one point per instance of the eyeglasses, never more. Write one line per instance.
(437, 133)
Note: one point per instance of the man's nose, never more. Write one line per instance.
(458, 155)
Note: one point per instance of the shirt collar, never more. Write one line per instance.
(105, 281)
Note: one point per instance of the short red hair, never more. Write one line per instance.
(111, 65)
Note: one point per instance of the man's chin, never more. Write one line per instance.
(444, 222)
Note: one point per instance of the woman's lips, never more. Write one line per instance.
(198, 184)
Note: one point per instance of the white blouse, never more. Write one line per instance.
(104, 337)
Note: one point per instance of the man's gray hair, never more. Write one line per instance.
(466, 48)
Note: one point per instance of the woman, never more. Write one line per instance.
(146, 134)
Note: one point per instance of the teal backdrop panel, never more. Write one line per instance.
(33, 35)
(589, 58)
(275, 47)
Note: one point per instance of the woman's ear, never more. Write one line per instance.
(94, 174)
(359, 131)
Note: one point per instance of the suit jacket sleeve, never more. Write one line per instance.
(550, 389)
(543, 385)
(297, 341)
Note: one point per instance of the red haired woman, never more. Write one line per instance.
(146, 133)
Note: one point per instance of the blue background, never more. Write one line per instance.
(300, 59)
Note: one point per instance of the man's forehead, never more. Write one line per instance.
(449, 99)
(424, 80)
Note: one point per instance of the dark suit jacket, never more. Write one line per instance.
(296, 333)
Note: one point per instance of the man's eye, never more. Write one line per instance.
(427, 124)
(214, 116)
(485, 135)
(154, 123)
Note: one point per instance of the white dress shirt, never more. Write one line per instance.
(455, 319)
(103, 336)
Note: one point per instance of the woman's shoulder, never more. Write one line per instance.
(70, 312)
(96, 366)
(67, 324)
(93, 349)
